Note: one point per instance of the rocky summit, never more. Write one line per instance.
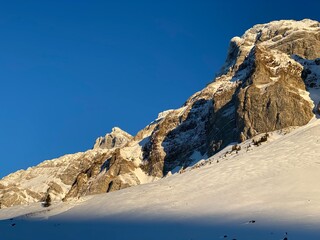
(270, 81)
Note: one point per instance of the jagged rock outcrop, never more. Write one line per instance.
(55, 177)
(117, 169)
(291, 37)
(117, 138)
(272, 97)
(263, 86)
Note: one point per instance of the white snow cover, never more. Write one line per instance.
(260, 192)
(164, 114)
(265, 192)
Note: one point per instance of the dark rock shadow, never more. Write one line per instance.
(203, 132)
(311, 78)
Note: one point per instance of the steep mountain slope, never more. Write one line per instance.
(256, 192)
(263, 86)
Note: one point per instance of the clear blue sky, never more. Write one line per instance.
(71, 70)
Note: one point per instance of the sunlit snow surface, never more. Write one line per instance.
(260, 192)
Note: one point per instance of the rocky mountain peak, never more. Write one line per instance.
(288, 36)
(270, 81)
(117, 138)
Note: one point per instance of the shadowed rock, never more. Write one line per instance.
(263, 86)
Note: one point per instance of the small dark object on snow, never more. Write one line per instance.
(252, 221)
(236, 148)
(47, 201)
(318, 108)
(258, 142)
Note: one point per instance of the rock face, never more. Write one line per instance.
(272, 97)
(263, 86)
(54, 177)
(117, 138)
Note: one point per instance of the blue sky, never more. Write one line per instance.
(71, 70)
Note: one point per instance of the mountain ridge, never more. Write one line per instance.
(264, 191)
(263, 86)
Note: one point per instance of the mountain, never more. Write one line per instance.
(270, 81)
(265, 191)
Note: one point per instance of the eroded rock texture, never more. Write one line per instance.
(263, 86)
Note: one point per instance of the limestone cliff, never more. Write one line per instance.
(270, 81)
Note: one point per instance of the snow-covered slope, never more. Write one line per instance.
(252, 191)
(258, 175)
